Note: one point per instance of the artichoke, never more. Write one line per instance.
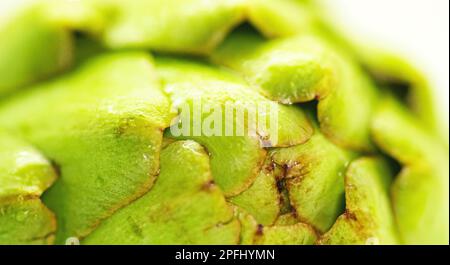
(101, 138)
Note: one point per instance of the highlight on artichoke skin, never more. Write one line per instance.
(102, 140)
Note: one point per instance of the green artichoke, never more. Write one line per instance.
(101, 140)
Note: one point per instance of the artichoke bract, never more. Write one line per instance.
(212, 122)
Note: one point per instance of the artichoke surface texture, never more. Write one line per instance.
(102, 140)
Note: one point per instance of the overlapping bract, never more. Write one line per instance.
(125, 178)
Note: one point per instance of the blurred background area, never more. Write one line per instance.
(416, 29)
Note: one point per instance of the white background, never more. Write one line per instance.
(417, 29)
